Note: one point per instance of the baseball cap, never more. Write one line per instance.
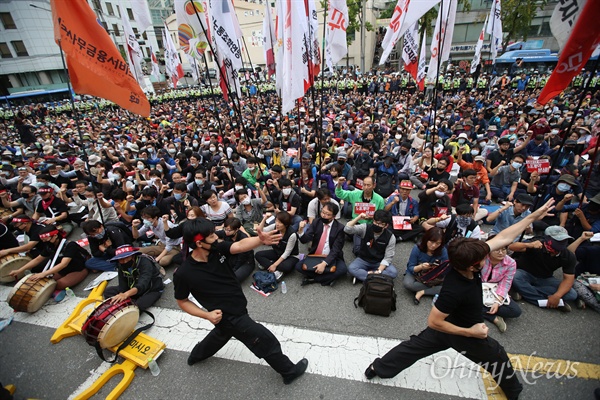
(525, 199)
(557, 233)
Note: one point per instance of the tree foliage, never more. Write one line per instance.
(517, 16)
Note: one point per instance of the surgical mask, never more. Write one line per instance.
(251, 168)
(54, 175)
(377, 228)
(111, 151)
(246, 201)
(398, 137)
(475, 152)
(25, 195)
(554, 132)
(147, 223)
(563, 187)
(326, 220)
(100, 235)
(177, 196)
(403, 152)
(199, 181)
(90, 200)
(238, 187)
(512, 129)
(287, 191)
(439, 194)
(195, 144)
(549, 112)
(461, 141)
(144, 140)
(172, 151)
(212, 149)
(463, 221)
(516, 165)
(140, 166)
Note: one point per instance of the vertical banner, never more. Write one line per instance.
(336, 46)
(392, 34)
(410, 49)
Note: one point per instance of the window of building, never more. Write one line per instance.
(473, 32)
(5, 51)
(116, 30)
(460, 33)
(145, 36)
(135, 32)
(545, 29)
(7, 21)
(109, 9)
(119, 11)
(19, 48)
(122, 49)
(29, 79)
(130, 14)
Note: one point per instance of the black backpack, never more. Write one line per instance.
(377, 295)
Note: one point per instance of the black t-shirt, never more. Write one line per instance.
(56, 208)
(293, 200)
(71, 250)
(34, 232)
(462, 299)
(496, 157)
(541, 264)
(212, 283)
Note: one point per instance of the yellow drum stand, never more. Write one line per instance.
(136, 354)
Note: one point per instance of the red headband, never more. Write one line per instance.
(199, 237)
(49, 234)
(125, 249)
(46, 190)
(21, 220)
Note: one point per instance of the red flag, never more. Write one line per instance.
(95, 65)
(581, 44)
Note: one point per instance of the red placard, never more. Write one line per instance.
(292, 152)
(440, 211)
(359, 183)
(402, 223)
(542, 166)
(366, 208)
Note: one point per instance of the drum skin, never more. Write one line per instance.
(28, 296)
(110, 324)
(10, 263)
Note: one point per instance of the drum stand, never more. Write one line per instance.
(136, 354)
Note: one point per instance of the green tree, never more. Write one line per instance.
(517, 16)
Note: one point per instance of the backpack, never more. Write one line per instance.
(377, 295)
(265, 281)
(435, 276)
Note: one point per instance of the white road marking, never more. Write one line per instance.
(329, 354)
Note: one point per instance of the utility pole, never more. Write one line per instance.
(362, 35)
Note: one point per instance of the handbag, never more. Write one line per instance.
(312, 260)
(490, 297)
(434, 276)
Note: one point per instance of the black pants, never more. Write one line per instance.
(267, 257)
(324, 279)
(258, 339)
(143, 302)
(486, 352)
(243, 271)
(405, 235)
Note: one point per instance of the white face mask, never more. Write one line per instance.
(439, 193)
(475, 152)
(287, 191)
(212, 149)
(238, 187)
(398, 137)
(245, 202)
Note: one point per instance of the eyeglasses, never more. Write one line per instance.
(502, 250)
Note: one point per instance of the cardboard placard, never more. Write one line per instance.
(542, 166)
(366, 208)
(401, 223)
(440, 211)
(359, 183)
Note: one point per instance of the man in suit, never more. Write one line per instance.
(326, 235)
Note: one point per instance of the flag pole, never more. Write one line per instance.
(439, 66)
(320, 122)
(311, 79)
(76, 118)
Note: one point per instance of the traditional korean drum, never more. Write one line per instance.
(10, 263)
(110, 324)
(29, 296)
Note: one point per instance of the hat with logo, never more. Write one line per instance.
(124, 251)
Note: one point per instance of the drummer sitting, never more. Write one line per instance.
(68, 268)
(26, 225)
(139, 278)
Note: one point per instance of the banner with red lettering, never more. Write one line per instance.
(541, 166)
(336, 46)
(401, 223)
(393, 30)
(95, 65)
(410, 49)
(367, 208)
(581, 44)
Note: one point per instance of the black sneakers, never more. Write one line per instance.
(300, 369)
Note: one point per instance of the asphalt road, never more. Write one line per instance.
(42, 370)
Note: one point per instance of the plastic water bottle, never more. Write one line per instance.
(435, 298)
(283, 287)
(153, 365)
(70, 292)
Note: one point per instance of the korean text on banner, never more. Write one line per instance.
(95, 65)
(367, 208)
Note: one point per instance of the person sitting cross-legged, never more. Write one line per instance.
(377, 249)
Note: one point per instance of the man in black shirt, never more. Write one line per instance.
(208, 277)
(456, 319)
(54, 210)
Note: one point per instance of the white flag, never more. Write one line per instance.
(563, 20)
(444, 29)
(155, 67)
(191, 23)
(268, 37)
(172, 64)
(336, 46)
(494, 28)
(416, 9)
(314, 49)
(194, 66)
(134, 52)
(478, 47)
(291, 17)
(279, 73)
(393, 30)
(410, 50)
(141, 13)
(422, 63)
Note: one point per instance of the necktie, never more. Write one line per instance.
(324, 237)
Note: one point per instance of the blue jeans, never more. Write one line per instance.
(100, 264)
(533, 288)
(500, 191)
(359, 268)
